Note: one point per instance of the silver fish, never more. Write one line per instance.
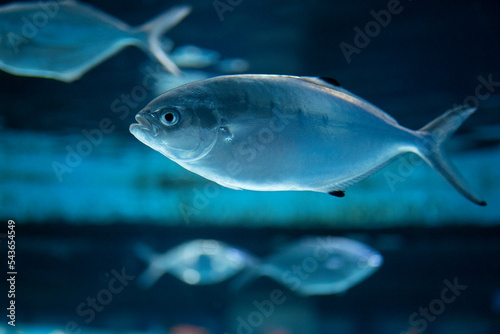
(63, 40)
(318, 265)
(273, 132)
(197, 262)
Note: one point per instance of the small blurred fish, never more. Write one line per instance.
(282, 133)
(232, 65)
(197, 262)
(318, 265)
(166, 81)
(73, 38)
(192, 56)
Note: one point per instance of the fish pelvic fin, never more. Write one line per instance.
(149, 35)
(434, 135)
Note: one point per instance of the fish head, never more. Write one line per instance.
(349, 260)
(359, 257)
(370, 261)
(181, 124)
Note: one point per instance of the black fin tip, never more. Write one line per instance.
(331, 81)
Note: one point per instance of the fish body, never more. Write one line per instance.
(65, 39)
(197, 262)
(280, 133)
(319, 265)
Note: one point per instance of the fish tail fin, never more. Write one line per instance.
(144, 252)
(244, 279)
(149, 34)
(247, 276)
(434, 135)
(149, 277)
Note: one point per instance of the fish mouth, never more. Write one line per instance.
(143, 124)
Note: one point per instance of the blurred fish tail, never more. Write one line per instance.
(144, 252)
(247, 276)
(149, 35)
(434, 135)
(151, 274)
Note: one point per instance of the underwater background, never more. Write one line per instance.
(76, 229)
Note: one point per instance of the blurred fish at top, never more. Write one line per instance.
(318, 265)
(63, 40)
(197, 262)
(232, 65)
(166, 81)
(194, 57)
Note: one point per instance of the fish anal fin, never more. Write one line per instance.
(337, 193)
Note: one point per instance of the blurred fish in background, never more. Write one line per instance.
(318, 265)
(197, 262)
(311, 266)
(232, 65)
(197, 64)
(73, 37)
(165, 81)
(194, 57)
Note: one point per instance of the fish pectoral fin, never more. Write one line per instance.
(337, 193)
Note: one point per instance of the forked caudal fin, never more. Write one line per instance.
(435, 134)
(150, 34)
(149, 277)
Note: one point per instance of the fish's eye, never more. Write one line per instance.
(169, 117)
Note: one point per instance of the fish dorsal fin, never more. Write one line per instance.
(330, 81)
(323, 81)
